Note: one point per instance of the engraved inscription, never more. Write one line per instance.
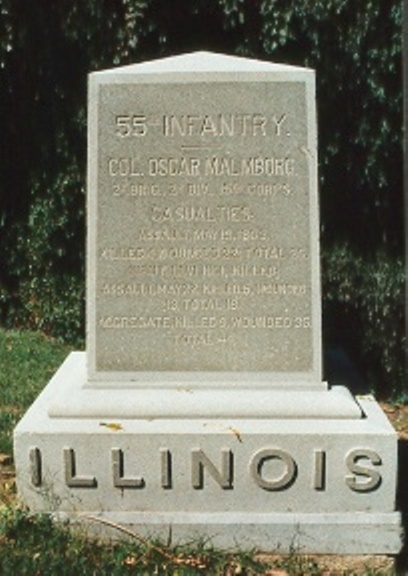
(203, 230)
(166, 468)
(319, 477)
(72, 480)
(280, 482)
(119, 480)
(271, 469)
(364, 477)
(35, 466)
(218, 125)
(215, 125)
(200, 462)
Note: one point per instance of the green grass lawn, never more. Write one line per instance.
(36, 546)
(27, 362)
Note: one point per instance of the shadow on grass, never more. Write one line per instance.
(402, 502)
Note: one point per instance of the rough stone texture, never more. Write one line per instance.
(203, 243)
(313, 485)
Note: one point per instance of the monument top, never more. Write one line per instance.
(203, 270)
(203, 228)
(202, 62)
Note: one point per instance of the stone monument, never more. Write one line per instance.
(199, 407)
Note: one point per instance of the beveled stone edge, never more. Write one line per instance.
(68, 397)
(199, 62)
(305, 533)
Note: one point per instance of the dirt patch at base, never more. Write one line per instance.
(328, 565)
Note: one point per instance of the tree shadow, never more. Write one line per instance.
(340, 371)
(402, 503)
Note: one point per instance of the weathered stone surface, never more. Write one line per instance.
(203, 243)
(319, 485)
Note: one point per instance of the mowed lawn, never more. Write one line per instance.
(27, 362)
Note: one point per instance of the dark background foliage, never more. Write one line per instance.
(46, 52)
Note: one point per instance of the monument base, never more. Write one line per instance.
(337, 533)
(314, 485)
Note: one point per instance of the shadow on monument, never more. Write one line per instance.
(340, 371)
(402, 503)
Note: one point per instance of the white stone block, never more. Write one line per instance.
(313, 484)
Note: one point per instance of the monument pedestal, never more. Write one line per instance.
(311, 484)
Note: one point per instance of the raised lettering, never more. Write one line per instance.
(319, 477)
(201, 462)
(71, 478)
(259, 461)
(166, 466)
(35, 466)
(119, 480)
(370, 478)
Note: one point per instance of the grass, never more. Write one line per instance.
(27, 362)
(34, 545)
(66, 553)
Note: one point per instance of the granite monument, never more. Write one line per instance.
(199, 407)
